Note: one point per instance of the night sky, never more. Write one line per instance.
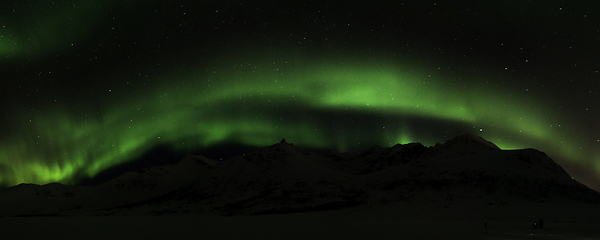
(87, 85)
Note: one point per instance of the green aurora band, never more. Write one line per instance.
(317, 102)
(46, 27)
(261, 101)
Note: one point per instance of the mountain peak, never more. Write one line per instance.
(471, 141)
(467, 144)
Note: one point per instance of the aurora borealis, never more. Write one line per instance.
(87, 86)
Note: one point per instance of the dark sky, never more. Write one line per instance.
(89, 85)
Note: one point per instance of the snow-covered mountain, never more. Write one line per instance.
(284, 178)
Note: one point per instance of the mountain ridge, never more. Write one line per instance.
(284, 178)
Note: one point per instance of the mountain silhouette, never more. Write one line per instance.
(284, 178)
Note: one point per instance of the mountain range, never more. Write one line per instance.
(283, 178)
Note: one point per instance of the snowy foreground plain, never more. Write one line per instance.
(402, 221)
